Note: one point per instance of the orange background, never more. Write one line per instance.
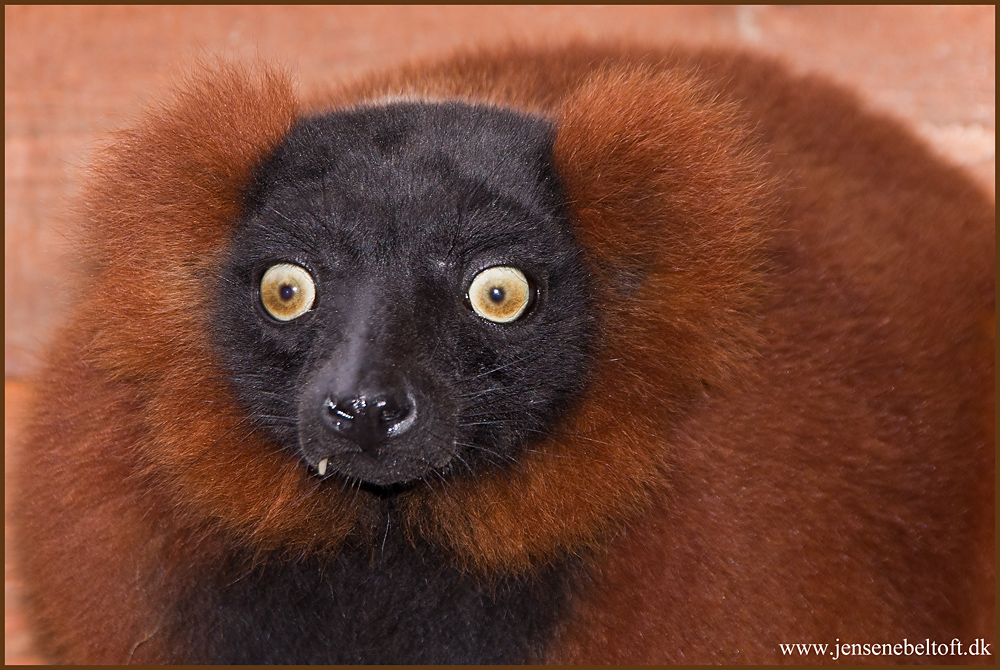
(73, 73)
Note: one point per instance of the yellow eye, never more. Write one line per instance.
(287, 291)
(500, 294)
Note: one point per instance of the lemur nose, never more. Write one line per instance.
(369, 418)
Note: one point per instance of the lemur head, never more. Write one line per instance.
(404, 297)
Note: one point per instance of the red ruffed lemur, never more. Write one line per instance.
(585, 354)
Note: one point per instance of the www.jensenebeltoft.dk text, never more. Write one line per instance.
(905, 648)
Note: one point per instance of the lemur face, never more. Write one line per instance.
(404, 297)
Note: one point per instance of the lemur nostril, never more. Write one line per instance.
(340, 410)
(392, 411)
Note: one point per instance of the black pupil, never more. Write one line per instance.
(287, 291)
(496, 294)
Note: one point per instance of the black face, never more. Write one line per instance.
(404, 297)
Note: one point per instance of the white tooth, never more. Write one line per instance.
(322, 467)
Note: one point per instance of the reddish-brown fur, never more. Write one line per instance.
(789, 436)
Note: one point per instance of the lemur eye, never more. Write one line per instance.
(287, 291)
(500, 294)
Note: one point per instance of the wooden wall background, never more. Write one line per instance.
(73, 73)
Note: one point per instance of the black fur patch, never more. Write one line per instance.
(393, 211)
(388, 604)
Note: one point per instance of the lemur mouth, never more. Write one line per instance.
(378, 481)
(382, 491)
(388, 491)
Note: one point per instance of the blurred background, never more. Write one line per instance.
(72, 74)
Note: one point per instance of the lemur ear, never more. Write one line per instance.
(164, 198)
(199, 147)
(668, 191)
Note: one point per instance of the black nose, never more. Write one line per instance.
(369, 419)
